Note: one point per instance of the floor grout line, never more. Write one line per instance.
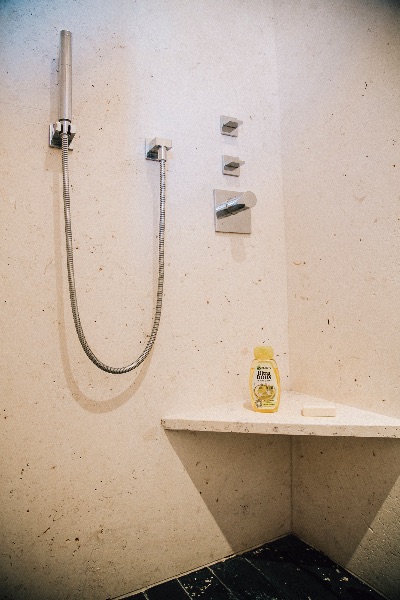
(265, 577)
(225, 586)
(185, 590)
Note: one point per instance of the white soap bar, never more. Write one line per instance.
(320, 409)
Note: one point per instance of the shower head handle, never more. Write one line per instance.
(65, 76)
(63, 124)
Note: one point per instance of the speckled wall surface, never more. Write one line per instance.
(339, 82)
(97, 500)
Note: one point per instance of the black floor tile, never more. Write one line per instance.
(285, 574)
(246, 581)
(204, 584)
(342, 583)
(287, 569)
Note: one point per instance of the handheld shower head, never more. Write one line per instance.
(65, 76)
(64, 125)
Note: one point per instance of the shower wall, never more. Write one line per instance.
(97, 500)
(339, 82)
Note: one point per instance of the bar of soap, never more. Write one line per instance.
(320, 409)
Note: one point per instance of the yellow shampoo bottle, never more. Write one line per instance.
(265, 385)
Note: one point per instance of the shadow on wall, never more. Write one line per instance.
(345, 497)
(244, 480)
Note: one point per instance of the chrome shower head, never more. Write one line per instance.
(65, 76)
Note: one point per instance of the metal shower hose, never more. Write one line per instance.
(71, 276)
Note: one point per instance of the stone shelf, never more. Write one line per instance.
(240, 418)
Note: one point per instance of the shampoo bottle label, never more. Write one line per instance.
(264, 386)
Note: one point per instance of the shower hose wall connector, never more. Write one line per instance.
(61, 137)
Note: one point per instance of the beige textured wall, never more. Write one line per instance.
(97, 500)
(339, 66)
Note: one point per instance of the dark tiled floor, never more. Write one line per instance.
(286, 569)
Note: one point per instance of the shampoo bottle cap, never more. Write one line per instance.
(263, 353)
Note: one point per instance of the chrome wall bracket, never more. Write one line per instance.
(231, 211)
(231, 165)
(156, 148)
(55, 131)
(230, 125)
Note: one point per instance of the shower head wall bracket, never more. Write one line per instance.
(57, 129)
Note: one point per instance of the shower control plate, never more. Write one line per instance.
(239, 222)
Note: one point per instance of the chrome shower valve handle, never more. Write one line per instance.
(232, 212)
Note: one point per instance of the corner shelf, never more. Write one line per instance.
(240, 418)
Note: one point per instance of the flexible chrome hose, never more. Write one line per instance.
(71, 275)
